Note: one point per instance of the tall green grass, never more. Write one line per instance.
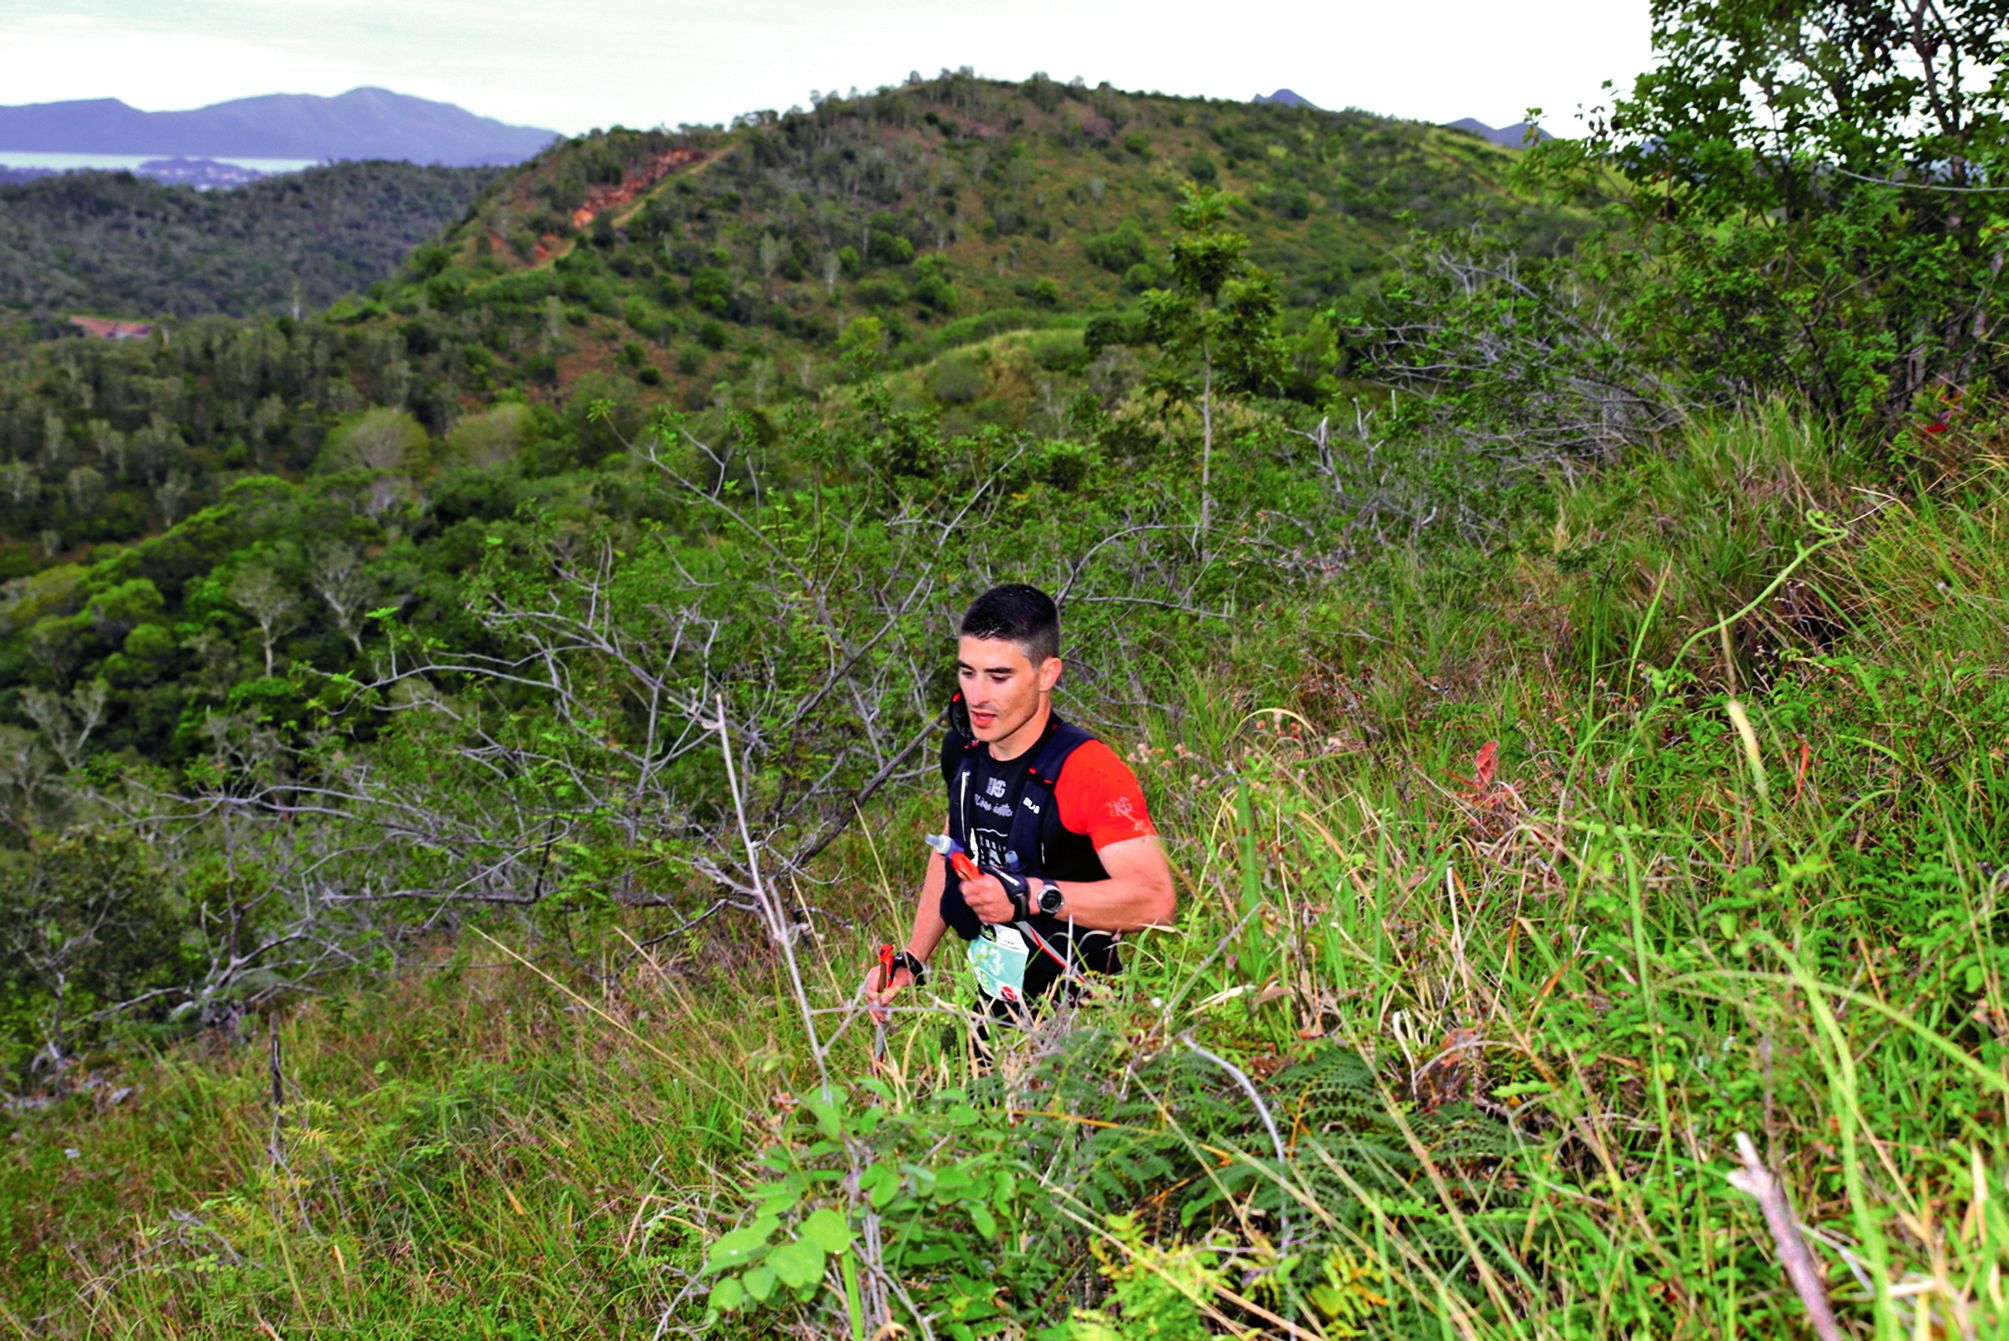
(1737, 871)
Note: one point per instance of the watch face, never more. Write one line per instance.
(1049, 899)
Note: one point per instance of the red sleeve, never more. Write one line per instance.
(1099, 796)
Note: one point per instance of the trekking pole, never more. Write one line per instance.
(878, 1022)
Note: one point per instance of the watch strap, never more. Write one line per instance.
(903, 960)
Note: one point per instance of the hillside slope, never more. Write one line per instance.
(947, 209)
(117, 243)
(987, 243)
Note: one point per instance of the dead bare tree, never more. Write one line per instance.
(67, 720)
(273, 607)
(338, 577)
(1523, 363)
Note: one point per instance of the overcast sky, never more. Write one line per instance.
(574, 66)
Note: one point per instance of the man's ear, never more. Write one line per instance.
(1049, 673)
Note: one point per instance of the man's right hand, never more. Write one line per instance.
(878, 995)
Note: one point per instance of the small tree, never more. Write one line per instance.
(338, 578)
(261, 593)
(1822, 188)
(1217, 323)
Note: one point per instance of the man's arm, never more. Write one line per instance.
(928, 924)
(926, 934)
(1137, 894)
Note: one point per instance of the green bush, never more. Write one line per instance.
(1119, 249)
(1060, 351)
(956, 379)
(1140, 277)
(711, 290)
(879, 293)
(883, 248)
(90, 922)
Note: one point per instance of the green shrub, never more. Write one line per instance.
(879, 293)
(1060, 351)
(1119, 249)
(956, 379)
(91, 922)
(711, 290)
(1140, 277)
(883, 248)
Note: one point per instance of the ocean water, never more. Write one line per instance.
(26, 158)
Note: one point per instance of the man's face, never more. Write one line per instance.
(1001, 686)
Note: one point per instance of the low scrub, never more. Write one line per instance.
(1517, 884)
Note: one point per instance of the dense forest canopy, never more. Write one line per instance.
(117, 244)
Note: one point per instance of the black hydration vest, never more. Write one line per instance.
(1044, 847)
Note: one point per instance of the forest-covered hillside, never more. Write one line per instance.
(946, 211)
(116, 244)
(988, 247)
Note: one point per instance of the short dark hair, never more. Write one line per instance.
(1020, 614)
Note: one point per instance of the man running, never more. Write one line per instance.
(1041, 800)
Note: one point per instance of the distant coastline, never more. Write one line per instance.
(59, 161)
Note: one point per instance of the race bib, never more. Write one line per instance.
(998, 958)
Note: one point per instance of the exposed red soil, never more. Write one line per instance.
(634, 183)
(98, 328)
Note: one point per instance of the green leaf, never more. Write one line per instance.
(981, 1217)
(774, 1198)
(799, 1263)
(740, 1245)
(827, 1230)
(760, 1282)
(829, 1116)
(727, 1295)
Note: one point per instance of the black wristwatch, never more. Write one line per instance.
(1048, 899)
(903, 960)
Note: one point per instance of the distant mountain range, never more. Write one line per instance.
(363, 123)
(1513, 136)
(1285, 97)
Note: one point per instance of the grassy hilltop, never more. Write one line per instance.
(460, 750)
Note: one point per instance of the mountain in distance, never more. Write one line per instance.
(1513, 137)
(1509, 137)
(364, 123)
